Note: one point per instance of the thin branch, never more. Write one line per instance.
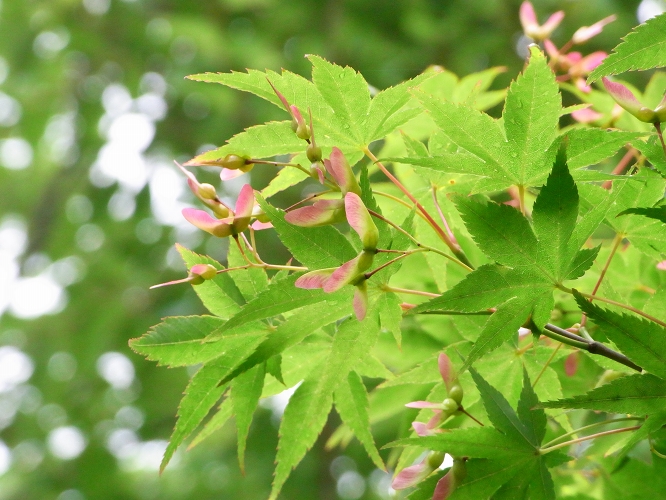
(591, 346)
(417, 242)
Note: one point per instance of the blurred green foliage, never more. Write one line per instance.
(83, 236)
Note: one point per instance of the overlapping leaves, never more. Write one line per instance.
(504, 456)
(530, 260)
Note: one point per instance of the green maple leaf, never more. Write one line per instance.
(343, 111)
(635, 394)
(531, 261)
(505, 456)
(643, 48)
(645, 189)
(310, 405)
(517, 151)
(642, 341)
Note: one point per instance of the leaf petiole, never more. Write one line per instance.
(543, 451)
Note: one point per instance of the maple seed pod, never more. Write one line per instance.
(205, 271)
(246, 168)
(207, 191)
(456, 393)
(220, 211)
(313, 153)
(232, 162)
(450, 405)
(435, 459)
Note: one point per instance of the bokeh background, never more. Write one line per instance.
(93, 110)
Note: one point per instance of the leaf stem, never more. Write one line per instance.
(471, 416)
(369, 274)
(455, 248)
(616, 244)
(543, 451)
(620, 167)
(398, 200)
(441, 216)
(591, 426)
(417, 242)
(408, 291)
(550, 359)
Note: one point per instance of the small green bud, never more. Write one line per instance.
(456, 393)
(449, 405)
(435, 459)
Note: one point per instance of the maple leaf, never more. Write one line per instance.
(530, 260)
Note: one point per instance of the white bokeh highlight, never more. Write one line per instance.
(66, 443)
(116, 369)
